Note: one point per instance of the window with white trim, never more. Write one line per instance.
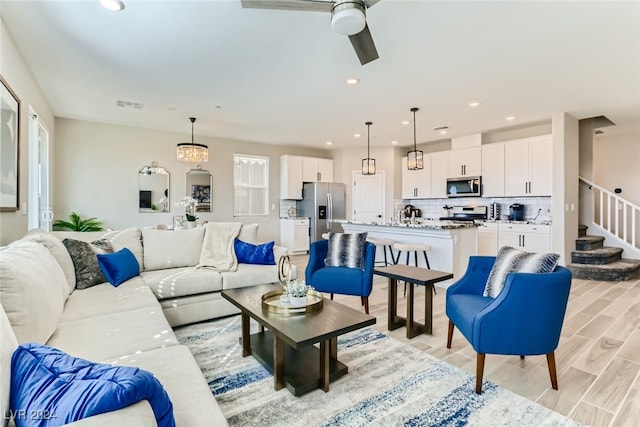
(250, 185)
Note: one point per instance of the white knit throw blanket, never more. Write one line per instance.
(217, 248)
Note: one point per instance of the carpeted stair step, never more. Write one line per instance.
(582, 230)
(604, 255)
(624, 269)
(587, 243)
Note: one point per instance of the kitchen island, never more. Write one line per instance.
(451, 243)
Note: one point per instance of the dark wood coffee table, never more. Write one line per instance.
(299, 365)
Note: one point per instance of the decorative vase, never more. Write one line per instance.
(191, 224)
(298, 301)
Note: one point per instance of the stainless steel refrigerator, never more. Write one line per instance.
(323, 203)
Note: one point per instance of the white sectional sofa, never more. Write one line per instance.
(130, 324)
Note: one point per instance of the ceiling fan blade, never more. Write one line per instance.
(364, 46)
(370, 3)
(307, 5)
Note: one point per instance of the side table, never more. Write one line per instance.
(411, 275)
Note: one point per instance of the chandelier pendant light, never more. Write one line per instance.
(415, 158)
(368, 164)
(192, 152)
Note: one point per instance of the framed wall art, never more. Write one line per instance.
(9, 148)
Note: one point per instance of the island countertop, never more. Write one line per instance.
(429, 224)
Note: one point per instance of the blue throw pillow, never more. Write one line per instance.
(248, 253)
(119, 267)
(53, 388)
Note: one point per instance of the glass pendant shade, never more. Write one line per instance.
(368, 164)
(192, 152)
(415, 158)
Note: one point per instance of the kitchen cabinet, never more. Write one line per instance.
(439, 173)
(493, 170)
(317, 170)
(465, 162)
(290, 177)
(416, 184)
(294, 234)
(529, 166)
(526, 237)
(487, 242)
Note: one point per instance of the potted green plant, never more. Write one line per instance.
(76, 223)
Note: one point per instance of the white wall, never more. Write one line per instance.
(97, 168)
(15, 72)
(617, 163)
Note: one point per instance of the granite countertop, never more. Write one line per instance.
(427, 225)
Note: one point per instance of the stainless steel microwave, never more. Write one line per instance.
(470, 186)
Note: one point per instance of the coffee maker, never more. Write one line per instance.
(516, 212)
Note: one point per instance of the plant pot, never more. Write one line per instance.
(298, 301)
(191, 224)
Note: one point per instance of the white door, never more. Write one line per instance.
(40, 212)
(368, 197)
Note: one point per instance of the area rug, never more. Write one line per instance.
(389, 384)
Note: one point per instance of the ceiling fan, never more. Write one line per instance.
(348, 17)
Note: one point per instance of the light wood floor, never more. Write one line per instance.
(598, 359)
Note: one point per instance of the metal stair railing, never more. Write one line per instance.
(615, 215)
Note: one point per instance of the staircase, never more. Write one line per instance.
(593, 261)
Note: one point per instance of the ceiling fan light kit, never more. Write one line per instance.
(190, 151)
(415, 158)
(348, 18)
(368, 164)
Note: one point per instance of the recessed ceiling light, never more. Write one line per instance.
(329, 142)
(474, 104)
(510, 118)
(115, 5)
(405, 122)
(442, 130)
(357, 135)
(352, 81)
(394, 142)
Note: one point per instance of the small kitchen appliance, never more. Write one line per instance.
(516, 212)
(494, 210)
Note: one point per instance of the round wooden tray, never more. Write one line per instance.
(271, 303)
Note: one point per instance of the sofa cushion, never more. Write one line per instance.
(33, 289)
(346, 250)
(177, 282)
(60, 253)
(171, 249)
(511, 260)
(249, 233)
(217, 248)
(253, 274)
(127, 238)
(248, 253)
(8, 343)
(47, 380)
(119, 267)
(85, 260)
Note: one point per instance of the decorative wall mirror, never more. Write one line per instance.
(153, 186)
(199, 185)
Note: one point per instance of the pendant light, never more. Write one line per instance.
(415, 159)
(192, 152)
(368, 164)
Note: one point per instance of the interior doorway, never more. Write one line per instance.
(368, 196)
(40, 213)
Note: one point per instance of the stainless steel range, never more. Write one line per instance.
(466, 213)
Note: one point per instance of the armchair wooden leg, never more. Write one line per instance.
(521, 357)
(331, 297)
(366, 304)
(479, 372)
(450, 334)
(551, 361)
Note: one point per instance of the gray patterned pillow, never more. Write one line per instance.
(346, 250)
(511, 260)
(85, 260)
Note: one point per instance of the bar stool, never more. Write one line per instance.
(415, 248)
(385, 243)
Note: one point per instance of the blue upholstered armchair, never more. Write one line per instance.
(524, 319)
(340, 280)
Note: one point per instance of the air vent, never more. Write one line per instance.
(129, 104)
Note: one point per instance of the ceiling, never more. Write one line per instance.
(278, 77)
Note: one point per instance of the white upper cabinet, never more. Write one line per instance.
(439, 174)
(291, 177)
(317, 170)
(416, 183)
(529, 166)
(465, 162)
(493, 170)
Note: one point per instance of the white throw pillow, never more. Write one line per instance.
(33, 290)
(170, 249)
(59, 252)
(249, 233)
